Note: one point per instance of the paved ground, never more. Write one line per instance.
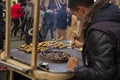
(16, 42)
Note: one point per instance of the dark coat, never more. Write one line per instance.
(102, 46)
(62, 19)
(49, 15)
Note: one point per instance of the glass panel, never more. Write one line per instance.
(20, 25)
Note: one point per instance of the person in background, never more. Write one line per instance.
(28, 20)
(23, 22)
(100, 25)
(61, 23)
(23, 7)
(40, 37)
(1, 20)
(16, 13)
(72, 28)
(1, 39)
(55, 17)
(42, 22)
(49, 15)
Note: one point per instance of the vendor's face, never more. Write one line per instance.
(80, 12)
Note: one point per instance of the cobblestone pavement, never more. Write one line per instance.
(16, 42)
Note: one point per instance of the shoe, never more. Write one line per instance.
(11, 34)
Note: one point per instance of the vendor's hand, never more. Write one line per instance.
(77, 44)
(72, 62)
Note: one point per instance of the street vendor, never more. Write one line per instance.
(100, 24)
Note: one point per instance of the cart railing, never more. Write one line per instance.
(7, 37)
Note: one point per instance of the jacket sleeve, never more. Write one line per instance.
(20, 12)
(101, 58)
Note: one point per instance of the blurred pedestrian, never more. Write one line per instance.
(16, 13)
(50, 22)
(2, 26)
(1, 38)
(61, 23)
(28, 21)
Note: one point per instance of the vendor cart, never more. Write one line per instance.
(28, 65)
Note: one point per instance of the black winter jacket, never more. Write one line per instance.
(102, 47)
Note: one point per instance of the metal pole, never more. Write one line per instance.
(11, 74)
(35, 32)
(8, 25)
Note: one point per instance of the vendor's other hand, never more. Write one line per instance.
(77, 44)
(72, 62)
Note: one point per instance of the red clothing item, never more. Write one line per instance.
(16, 11)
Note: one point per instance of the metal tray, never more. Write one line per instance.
(53, 67)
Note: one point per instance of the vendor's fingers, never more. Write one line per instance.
(73, 60)
(78, 44)
(70, 66)
(73, 45)
(72, 63)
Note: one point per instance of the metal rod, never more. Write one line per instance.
(8, 25)
(35, 33)
(14, 67)
(11, 74)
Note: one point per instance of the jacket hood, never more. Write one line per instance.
(109, 12)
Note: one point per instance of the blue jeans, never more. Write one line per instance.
(51, 28)
(46, 29)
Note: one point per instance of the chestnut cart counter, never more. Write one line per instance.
(29, 64)
(56, 70)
